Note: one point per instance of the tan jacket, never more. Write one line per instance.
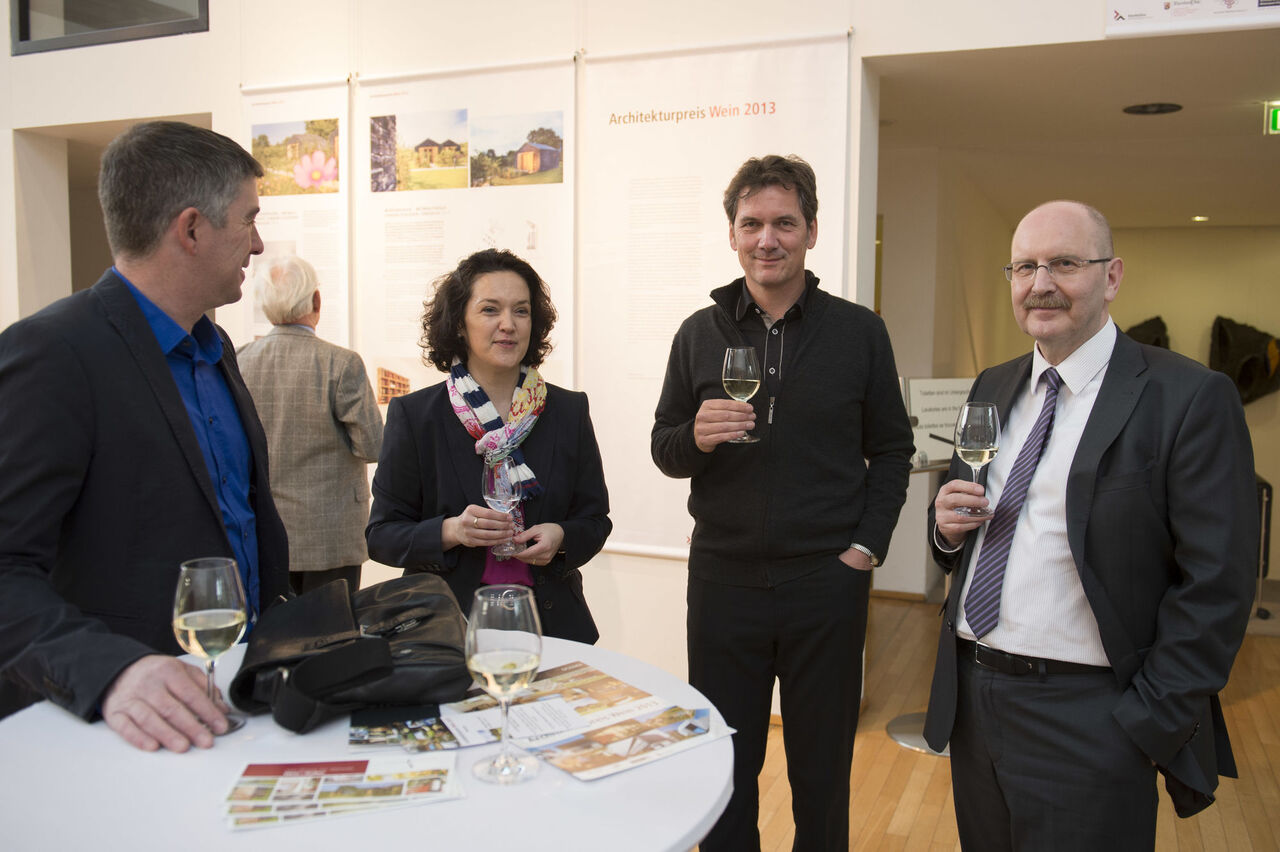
(323, 429)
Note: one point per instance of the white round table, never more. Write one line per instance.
(69, 785)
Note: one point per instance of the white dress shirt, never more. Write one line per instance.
(1043, 610)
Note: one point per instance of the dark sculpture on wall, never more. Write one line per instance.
(1152, 332)
(1249, 356)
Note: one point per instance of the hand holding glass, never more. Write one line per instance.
(977, 442)
(741, 377)
(504, 647)
(501, 490)
(209, 615)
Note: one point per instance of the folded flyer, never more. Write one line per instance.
(269, 794)
(628, 743)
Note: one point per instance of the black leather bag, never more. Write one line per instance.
(328, 651)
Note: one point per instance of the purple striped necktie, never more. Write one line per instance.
(982, 603)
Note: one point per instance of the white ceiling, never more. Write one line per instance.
(1028, 124)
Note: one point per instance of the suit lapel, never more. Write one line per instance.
(1001, 386)
(540, 454)
(122, 311)
(462, 454)
(1006, 391)
(1121, 388)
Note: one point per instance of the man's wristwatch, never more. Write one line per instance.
(875, 560)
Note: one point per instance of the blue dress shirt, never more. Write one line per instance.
(193, 360)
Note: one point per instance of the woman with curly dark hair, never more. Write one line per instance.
(488, 325)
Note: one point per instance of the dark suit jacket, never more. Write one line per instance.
(1162, 520)
(429, 471)
(103, 493)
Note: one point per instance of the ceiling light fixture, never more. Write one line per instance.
(1199, 218)
(1152, 109)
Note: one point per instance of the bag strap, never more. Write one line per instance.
(298, 703)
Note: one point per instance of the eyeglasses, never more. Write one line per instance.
(1058, 268)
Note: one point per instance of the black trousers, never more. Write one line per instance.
(1038, 763)
(809, 634)
(304, 581)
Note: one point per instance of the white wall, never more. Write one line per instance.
(90, 251)
(639, 601)
(973, 244)
(908, 194)
(43, 264)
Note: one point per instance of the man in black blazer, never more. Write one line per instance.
(1127, 585)
(131, 445)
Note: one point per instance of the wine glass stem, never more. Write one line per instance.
(505, 756)
(209, 685)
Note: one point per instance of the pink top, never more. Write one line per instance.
(505, 571)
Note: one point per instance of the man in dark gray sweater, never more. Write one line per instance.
(786, 530)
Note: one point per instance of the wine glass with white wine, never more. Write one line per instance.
(209, 615)
(977, 442)
(500, 486)
(504, 647)
(741, 377)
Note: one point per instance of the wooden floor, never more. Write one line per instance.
(901, 799)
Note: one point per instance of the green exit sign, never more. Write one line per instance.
(1273, 119)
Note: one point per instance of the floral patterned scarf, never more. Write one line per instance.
(496, 440)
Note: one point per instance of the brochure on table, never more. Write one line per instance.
(573, 716)
(271, 794)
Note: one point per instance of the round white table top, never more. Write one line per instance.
(70, 785)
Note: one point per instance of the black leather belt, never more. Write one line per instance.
(1013, 664)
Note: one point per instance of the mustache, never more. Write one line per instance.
(1046, 300)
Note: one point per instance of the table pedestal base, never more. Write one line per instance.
(907, 731)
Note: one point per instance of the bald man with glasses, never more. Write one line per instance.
(1091, 621)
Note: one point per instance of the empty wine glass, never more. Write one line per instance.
(504, 647)
(977, 442)
(209, 616)
(741, 378)
(501, 489)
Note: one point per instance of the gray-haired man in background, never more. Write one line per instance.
(323, 428)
